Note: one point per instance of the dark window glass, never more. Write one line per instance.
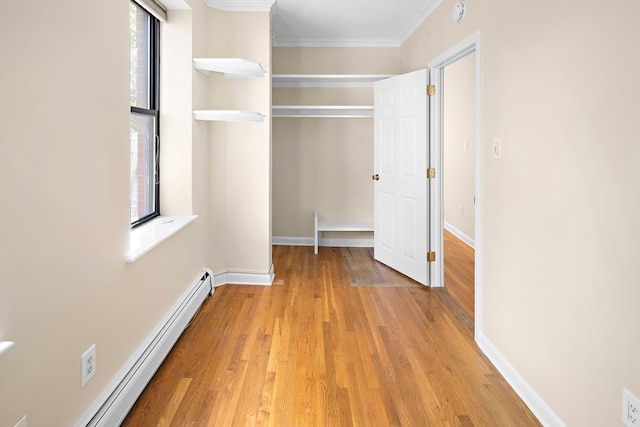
(143, 135)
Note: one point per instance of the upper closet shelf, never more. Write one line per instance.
(329, 111)
(326, 80)
(230, 67)
(228, 115)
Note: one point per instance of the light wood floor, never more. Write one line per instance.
(458, 291)
(339, 340)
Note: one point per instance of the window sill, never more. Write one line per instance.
(146, 237)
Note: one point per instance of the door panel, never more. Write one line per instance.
(400, 160)
(385, 212)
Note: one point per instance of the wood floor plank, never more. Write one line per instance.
(317, 350)
(166, 417)
(459, 268)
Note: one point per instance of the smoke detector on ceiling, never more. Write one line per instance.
(458, 11)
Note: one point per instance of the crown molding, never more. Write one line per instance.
(417, 22)
(241, 5)
(175, 4)
(334, 43)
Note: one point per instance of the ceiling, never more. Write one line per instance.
(347, 22)
(333, 22)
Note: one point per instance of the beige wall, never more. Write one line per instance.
(560, 211)
(560, 276)
(324, 164)
(459, 158)
(64, 198)
(332, 60)
(240, 155)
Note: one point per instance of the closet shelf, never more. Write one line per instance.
(326, 80)
(330, 111)
(230, 67)
(228, 115)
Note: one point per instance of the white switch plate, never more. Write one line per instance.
(22, 422)
(497, 148)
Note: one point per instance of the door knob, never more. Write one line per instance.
(375, 177)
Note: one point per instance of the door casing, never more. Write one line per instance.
(436, 128)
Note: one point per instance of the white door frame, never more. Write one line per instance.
(436, 72)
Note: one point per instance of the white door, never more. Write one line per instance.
(400, 166)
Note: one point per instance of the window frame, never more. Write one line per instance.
(153, 110)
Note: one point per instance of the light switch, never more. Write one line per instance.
(497, 148)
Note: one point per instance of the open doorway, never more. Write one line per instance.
(458, 175)
(456, 76)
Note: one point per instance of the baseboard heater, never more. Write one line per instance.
(113, 405)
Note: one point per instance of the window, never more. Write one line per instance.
(144, 136)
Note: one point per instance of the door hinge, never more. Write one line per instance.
(431, 256)
(431, 173)
(431, 90)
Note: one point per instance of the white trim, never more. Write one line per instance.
(292, 241)
(149, 235)
(232, 278)
(229, 67)
(241, 5)
(175, 4)
(326, 80)
(335, 43)
(228, 115)
(320, 226)
(460, 235)
(419, 20)
(538, 406)
(436, 186)
(155, 8)
(328, 111)
(460, 50)
(465, 47)
(115, 401)
(324, 241)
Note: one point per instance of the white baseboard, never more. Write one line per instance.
(114, 403)
(460, 235)
(231, 278)
(292, 241)
(308, 241)
(536, 404)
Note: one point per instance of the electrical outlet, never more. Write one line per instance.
(630, 409)
(88, 364)
(461, 210)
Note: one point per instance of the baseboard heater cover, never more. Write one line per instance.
(113, 405)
